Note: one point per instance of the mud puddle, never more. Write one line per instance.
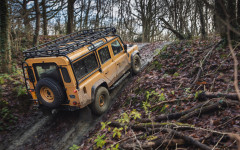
(62, 130)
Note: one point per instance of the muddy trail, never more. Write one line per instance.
(63, 129)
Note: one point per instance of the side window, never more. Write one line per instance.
(104, 54)
(116, 47)
(65, 74)
(85, 66)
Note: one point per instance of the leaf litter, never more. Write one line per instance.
(168, 79)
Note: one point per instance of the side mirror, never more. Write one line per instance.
(125, 47)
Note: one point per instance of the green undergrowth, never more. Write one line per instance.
(12, 91)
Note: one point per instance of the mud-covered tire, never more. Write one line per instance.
(136, 64)
(101, 101)
(50, 93)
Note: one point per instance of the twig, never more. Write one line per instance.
(171, 101)
(236, 137)
(212, 84)
(169, 141)
(199, 128)
(228, 121)
(120, 141)
(202, 107)
(137, 140)
(218, 142)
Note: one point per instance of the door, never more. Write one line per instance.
(120, 57)
(108, 66)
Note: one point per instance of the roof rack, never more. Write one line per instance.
(69, 43)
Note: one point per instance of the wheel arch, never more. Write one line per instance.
(99, 83)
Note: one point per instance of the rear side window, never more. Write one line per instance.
(30, 74)
(104, 54)
(116, 47)
(65, 75)
(85, 66)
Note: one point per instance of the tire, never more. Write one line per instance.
(136, 64)
(50, 93)
(101, 101)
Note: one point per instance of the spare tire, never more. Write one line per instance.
(50, 93)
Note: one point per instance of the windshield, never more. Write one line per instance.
(46, 70)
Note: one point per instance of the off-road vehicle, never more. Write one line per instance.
(79, 69)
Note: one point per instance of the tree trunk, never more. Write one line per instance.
(238, 12)
(44, 16)
(97, 15)
(232, 17)
(70, 12)
(220, 15)
(4, 38)
(201, 16)
(86, 16)
(36, 34)
(26, 20)
(169, 27)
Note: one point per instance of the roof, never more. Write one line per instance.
(81, 51)
(70, 44)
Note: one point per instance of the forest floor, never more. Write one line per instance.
(183, 99)
(169, 105)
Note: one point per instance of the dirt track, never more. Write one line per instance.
(62, 130)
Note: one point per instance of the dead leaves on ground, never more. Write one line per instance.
(169, 76)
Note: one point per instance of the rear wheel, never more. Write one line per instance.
(101, 101)
(136, 64)
(50, 93)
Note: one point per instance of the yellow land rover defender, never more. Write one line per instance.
(79, 69)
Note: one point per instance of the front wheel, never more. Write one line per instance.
(136, 64)
(101, 101)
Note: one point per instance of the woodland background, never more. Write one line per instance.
(26, 23)
(187, 96)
